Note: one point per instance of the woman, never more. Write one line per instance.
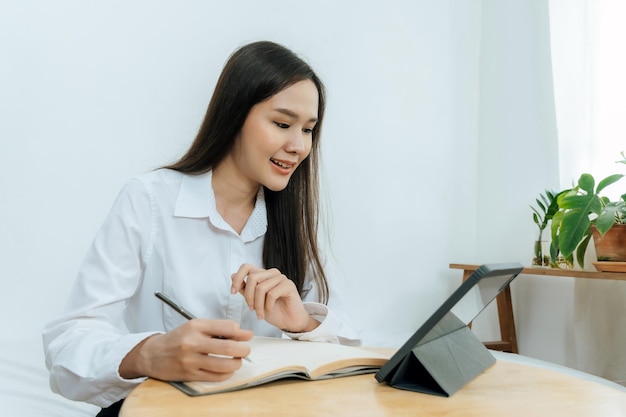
(228, 231)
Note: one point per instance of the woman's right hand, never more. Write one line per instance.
(199, 350)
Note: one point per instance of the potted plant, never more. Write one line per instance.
(581, 211)
(547, 206)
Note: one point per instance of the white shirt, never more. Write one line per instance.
(163, 234)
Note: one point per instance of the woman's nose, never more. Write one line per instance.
(296, 142)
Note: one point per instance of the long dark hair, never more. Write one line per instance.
(253, 74)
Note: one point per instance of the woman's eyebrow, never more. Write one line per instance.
(293, 115)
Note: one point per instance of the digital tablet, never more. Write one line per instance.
(461, 308)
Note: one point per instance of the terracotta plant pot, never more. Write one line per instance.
(611, 247)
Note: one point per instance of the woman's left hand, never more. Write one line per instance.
(274, 297)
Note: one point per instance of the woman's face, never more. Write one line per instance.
(277, 136)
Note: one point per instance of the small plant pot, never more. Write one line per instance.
(541, 256)
(612, 246)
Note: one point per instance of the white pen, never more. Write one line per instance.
(167, 300)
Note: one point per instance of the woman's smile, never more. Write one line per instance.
(283, 167)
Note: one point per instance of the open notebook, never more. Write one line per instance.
(273, 358)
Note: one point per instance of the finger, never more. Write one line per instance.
(221, 329)
(239, 277)
(258, 283)
(284, 289)
(182, 353)
(243, 335)
(214, 368)
(261, 292)
(225, 348)
(250, 288)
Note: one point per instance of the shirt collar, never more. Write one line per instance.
(196, 199)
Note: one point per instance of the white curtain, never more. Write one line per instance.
(589, 68)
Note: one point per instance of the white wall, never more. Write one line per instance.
(436, 112)
(518, 159)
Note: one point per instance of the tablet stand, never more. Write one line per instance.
(446, 359)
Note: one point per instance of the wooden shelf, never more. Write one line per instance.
(505, 306)
(556, 272)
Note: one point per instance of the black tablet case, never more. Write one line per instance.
(443, 354)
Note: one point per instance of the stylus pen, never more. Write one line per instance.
(167, 300)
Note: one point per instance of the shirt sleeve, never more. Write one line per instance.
(85, 347)
(335, 325)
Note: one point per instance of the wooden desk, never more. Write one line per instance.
(508, 342)
(506, 389)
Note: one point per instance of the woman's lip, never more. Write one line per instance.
(286, 169)
(287, 164)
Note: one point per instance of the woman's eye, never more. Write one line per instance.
(282, 125)
(307, 130)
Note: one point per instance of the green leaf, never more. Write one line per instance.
(540, 204)
(554, 249)
(536, 219)
(606, 219)
(553, 206)
(580, 251)
(608, 181)
(556, 224)
(586, 183)
(565, 194)
(573, 227)
(585, 203)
